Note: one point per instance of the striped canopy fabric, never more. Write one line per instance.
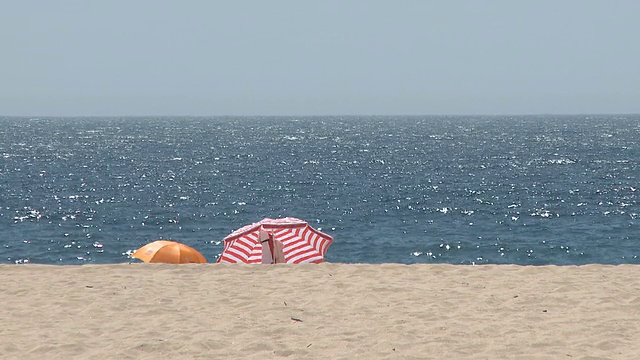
(300, 242)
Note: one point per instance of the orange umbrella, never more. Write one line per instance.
(171, 252)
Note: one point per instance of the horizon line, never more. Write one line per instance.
(324, 115)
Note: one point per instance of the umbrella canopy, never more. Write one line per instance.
(170, 252)
(287, 240)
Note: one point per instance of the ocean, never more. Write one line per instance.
(530, 190)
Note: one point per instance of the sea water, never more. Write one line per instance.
(403, 189)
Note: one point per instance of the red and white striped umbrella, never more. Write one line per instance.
(287, 240)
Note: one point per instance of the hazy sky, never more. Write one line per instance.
(323, 57)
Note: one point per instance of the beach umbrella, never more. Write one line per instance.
(170, 252)
(286, 240)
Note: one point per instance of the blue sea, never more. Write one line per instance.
(529, 190)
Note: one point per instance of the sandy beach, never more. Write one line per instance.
(327, 311)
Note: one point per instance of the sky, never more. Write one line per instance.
(318, 57)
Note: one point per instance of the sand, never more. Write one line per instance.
(327, 311)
